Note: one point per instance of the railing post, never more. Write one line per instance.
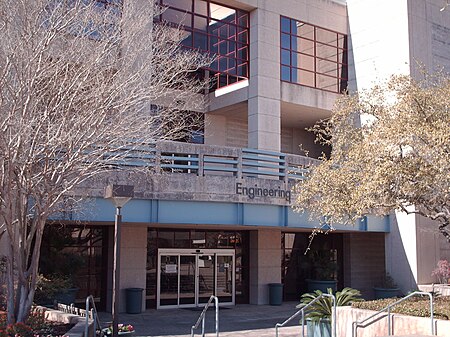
(389, 321)
(239, 165)
(217, 315)
(201, 164)
(203, 325)
(86, 328)
(303, 322)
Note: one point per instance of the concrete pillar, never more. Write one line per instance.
(133, 261)
(401, 251)
(264, 108)
(265, 263)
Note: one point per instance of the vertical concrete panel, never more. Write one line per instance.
(401, 251)
(265, 263)
(377, 52)
(215, 130)
(133, 260)
(264, 108)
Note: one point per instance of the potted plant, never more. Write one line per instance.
(318, 315)
(324, 270)
(387, 288)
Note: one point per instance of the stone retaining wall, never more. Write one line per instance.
(62, 317)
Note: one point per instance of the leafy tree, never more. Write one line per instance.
(398, 158)
(82, 84)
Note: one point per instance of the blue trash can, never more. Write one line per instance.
(275, 293)
(133, 300)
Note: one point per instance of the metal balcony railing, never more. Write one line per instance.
(204, 160)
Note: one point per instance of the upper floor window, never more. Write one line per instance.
(313, 56)
(216, 29)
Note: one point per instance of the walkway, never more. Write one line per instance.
(237, 321)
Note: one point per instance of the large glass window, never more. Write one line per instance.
(79, 253)
(216, 29)
(313, 56)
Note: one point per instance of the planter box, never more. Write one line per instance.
(321, 285)
(318, 329)
(401, 324)
(385, 292)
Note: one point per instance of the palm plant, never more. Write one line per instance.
(322, 308)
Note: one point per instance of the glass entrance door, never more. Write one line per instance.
(188, 278)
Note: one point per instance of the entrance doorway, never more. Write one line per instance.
(188, 277)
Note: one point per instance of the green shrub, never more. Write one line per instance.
(323, 307)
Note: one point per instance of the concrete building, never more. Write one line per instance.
(216, 218)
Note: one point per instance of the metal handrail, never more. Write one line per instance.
(357, 324)
(302, 311)
(202, 316)
(90, 299)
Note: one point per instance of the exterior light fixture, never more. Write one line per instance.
(119, 196)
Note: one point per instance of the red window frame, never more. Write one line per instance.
(229, 42)
(338, 65)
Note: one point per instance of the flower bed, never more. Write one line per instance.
(36, 325)
(415, 306)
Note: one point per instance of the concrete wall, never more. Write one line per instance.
(432, 247)
(429, 35)
(379, 35)
(265, 259)
(363, 261)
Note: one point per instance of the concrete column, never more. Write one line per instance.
(401, 251)
(133, 261)
(264, 108)
(265, 263)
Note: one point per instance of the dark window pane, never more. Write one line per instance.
(186, 5)
(285, 24)
(285, 57)
(242, 70)
(187, 41)
(201, 7)
(285, 43)
(242, 37)
(201, 23)
(200, 41)
(285, 73)
(242, 52)
(243, 20)
(177, 17)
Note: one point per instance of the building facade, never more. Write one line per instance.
(215, 218)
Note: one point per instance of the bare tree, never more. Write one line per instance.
(399, 159)
(82, 83)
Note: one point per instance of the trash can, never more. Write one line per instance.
(133, 300)
(275, 293)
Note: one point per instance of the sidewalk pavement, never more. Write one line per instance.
(235, 321)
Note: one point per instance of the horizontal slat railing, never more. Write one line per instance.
(201, 160)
